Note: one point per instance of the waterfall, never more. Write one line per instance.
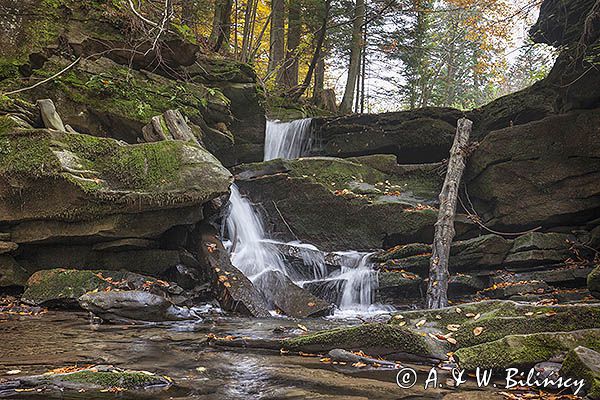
(287, 140)
(253, 253)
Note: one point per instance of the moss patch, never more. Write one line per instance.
(112, 379)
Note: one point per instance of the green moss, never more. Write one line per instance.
(368, 336)
(581, 363)
(113, 379)
(6, 124)
(404, 251)
(27, 153)
(525, 350)
(57, 284)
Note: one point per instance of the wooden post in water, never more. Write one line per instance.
(437, 291)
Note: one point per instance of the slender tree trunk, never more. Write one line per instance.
(319, 80)
(249, 18)
(363, 74)
(221, 27)
(188, 13)
(277, 45)
(293, 41)
(354, 67)
(299, 91)
(437, 291)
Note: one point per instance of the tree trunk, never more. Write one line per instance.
(299, 91)
(293, 41)
(249, 18)
(221, 27)
(437, 291)
(277, 45)
(188, 13)
(354, 67)
(319, 81)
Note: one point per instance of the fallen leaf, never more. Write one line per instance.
(359, 364)
(438, 316)
(453, 327)
(469, 315)
(420, 323)
(398, 316)
(458, 310)
(478, 331)
(529, 314)
(402, 323)
(477, 317)
(304, 328)
(227, 284)
(550, 313)
(201, 369)
(311, 304)
(451, 340)
(13, 372)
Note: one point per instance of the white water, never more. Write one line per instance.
(254, 253)
(287, 140)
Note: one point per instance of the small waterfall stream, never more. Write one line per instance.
(254, 253)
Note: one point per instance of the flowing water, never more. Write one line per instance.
(254, 253)
(288, 140)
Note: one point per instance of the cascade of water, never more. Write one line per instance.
(287, 140)
(254, 253)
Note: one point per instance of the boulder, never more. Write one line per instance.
(62, 287)
(291, 299)
(99, 378)
(584, 363)
(49, 115)
(11, 273)
(125, 245)
(593, 282)
(524, 351)
(518, 181)
(136, 305)
(418, 136)
(231, 287)
(312, 200)
(393, 286)
(79, 186)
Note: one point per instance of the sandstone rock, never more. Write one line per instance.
(291, 299)
(125, 244)
(116, 306)
(11, 273)
(62, 287)
(523, 351)
(171, 125)
(517, 181)
(232, 289)
(534, 249)
(129, 191)
(394, 286)
(418, 136)
(584, 363)
(314, 198)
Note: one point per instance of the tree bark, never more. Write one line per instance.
(221, 27)
(437, 291)
(299, 91)
(277, 45)
(293, 41)
(354, 67)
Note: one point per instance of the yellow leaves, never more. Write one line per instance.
(478, 331)
(453, 327)
(302, 327)
(223, 278)
(311, 304)
(458, 310)
(211, 247)
(359, 364)
(420, 323)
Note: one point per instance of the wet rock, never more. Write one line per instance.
(62, 287)
(184, 276)
(291, 299)
(398, 285)
(11, 273)
(233, 290)
(510, 289)
(340, 355)
(418, 136)
(499, 318)
(324, 210)
(593, 282)
(49, 115)
(98, 378)
(465, 284)
(548, 369)
(134, 305)
(584, 363)
(523, 351)
(389, 341)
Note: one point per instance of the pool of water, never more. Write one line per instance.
(36, 344)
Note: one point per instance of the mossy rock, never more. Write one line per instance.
(11, 273)
(593, 282)
(327, 208)
(375, 339)
(501, 318)
(99, 378)
(64, 286)
(584, 363)
(73, 177)
(522, 351)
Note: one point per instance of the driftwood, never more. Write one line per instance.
(437, 291)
